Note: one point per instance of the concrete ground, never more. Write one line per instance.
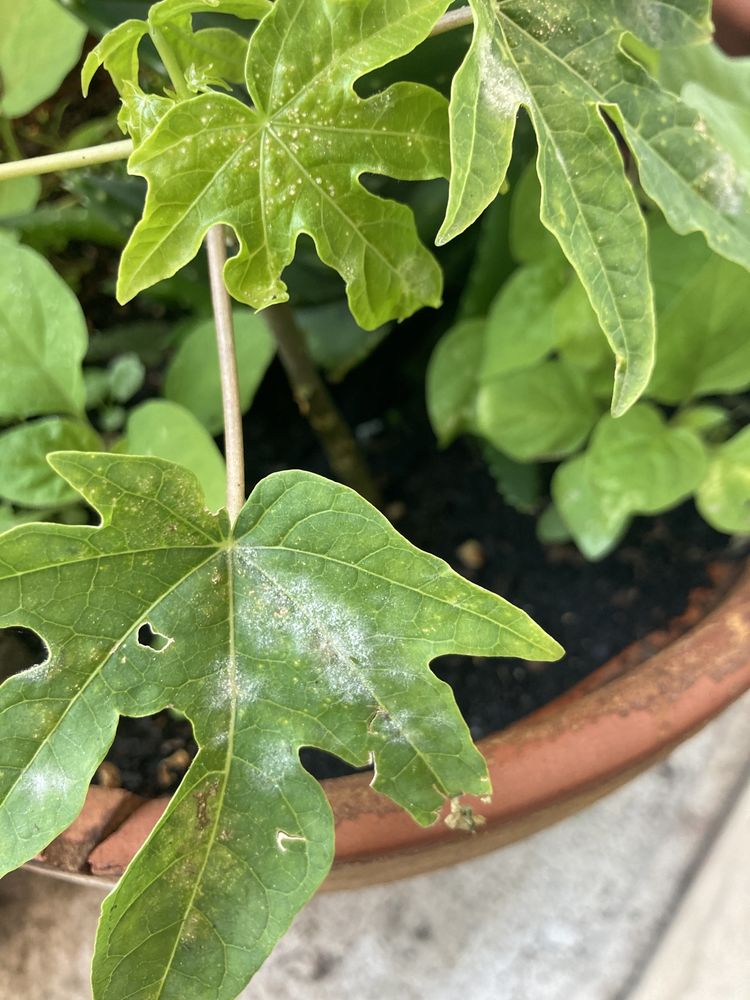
(644, 896)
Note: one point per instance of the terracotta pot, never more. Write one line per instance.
(603, 732)
(732, 21)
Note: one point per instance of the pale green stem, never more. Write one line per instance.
(9, 139)
(458, 18)
(171, 65)
(216, 249)
(70, 160)
(234, 448)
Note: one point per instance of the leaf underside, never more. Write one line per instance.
(312, 623)
(565, 62)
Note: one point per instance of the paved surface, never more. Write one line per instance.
(604, 906)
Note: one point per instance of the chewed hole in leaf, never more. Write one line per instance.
(20, 649)
(150, 639)
(283, 839)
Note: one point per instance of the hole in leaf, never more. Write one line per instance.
(283, 839)
(20, 648)
(150, 639)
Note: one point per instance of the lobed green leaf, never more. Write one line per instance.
(567, 64)
(310, 623)
(291, 164)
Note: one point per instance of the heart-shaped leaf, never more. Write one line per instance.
(193, 380)
(164, 429)
(310, 623)
(724, 496)
(43, 337)
(702, 308)
(27, 478)
(40, 42)
(636, 464)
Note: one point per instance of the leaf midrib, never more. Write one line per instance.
(231, 732)
(625, 354)
(602, 100)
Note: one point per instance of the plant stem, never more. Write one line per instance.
(234, 449)
(316, 404)
(69, 160)
(216, 248)
(9, 139)
(453, 19)
(171, 65)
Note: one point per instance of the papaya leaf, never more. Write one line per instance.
(636, 464)
(310, 623)
(723, 497)
(565, 62)
(291, 163)
(210, 56)
(43, 338)
(717, 86)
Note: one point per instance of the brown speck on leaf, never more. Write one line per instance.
(201, 806)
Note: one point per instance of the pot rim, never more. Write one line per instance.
(616, 722)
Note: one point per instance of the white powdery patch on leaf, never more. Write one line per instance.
(296, 619)
(725, 185)
(502, 87)
(44, 783)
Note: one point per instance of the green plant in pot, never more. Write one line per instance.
(298, 616)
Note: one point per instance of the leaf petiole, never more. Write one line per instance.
(71, 159)
(234, 449)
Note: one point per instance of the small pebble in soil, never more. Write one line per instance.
(471, 554)
(108, 775)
